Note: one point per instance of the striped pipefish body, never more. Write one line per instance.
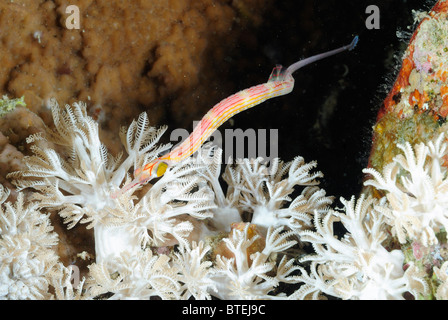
(280, 83)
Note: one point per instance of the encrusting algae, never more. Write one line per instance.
(416, 108)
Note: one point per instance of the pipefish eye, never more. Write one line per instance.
(161, 169)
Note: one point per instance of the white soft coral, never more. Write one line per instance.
(356, 266)
(139, 275)
(26, 254)
(245, 273)
(260, 193)
(144, 275)
(195, 270)
(416, 188)
(164, 216)
(78, 175)
(265, 191)
(180, 194)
